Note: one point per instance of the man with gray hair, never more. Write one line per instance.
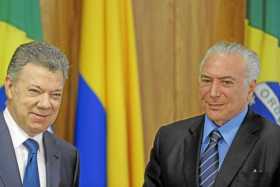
(227, 146)
(30, 155)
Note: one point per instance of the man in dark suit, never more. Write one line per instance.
(229, 145)
(31, 156)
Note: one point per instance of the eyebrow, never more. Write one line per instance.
(220, 78)
(36, 86)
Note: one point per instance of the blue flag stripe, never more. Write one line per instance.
(90, 137)
(2, 98)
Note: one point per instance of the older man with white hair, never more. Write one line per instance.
(229, 145)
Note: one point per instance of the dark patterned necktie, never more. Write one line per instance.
(209, 161)
(31, 175)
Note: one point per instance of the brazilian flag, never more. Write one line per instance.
(20, 22)
(262, 34)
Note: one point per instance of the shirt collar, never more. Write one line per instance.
(228, 130)
(17, 134)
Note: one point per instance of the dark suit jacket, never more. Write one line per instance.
(62, 161)
(252, 160)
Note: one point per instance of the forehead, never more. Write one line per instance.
(41, 76)
(224, 65)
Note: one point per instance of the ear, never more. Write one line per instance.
(252, 86)
(9, 87)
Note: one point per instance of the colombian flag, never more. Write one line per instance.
(262, 34)
(108, 125)
(20, 22)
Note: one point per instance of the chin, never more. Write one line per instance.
(39, 128)
(215, 118)
(214, 114)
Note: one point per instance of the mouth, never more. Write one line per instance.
(215, 106)
(39, 117)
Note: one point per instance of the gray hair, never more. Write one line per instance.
(250, 57)
(39, 53)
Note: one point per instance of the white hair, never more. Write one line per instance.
(250, 57)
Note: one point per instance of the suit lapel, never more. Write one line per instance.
(52, 156)
(192, 152)
(242, 145)
(9, 171)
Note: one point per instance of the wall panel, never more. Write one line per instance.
(172, 37)
(61, 26)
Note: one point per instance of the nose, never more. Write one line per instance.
(214, 89)
(44, 101)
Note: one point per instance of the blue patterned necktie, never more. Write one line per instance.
(31, 175)
(209, 161)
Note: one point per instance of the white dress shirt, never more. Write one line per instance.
(18, 137)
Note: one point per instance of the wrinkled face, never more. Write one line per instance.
(34, 97)
(223, 91)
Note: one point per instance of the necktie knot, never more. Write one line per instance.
(215, 136)
(31, 145)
